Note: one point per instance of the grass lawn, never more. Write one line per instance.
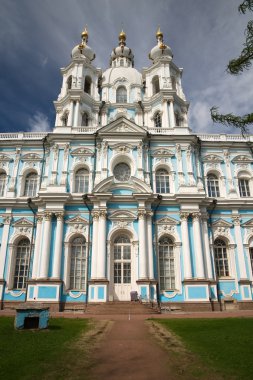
(34, 354)
(226, 344)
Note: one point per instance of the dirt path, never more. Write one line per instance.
(129, 352)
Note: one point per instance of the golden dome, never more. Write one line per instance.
(122, 35)
(159, 33)
(85, 33)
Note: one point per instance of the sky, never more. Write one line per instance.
(37, 37)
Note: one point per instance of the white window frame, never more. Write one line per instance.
(166, 181)
(3, 183)
(221, 268)
(244, 187)
(35, 190)
(215, 186)
(86, 178)
(120, 96)
(171, 276)
(74, 277)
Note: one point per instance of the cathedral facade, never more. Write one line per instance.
(122, 197)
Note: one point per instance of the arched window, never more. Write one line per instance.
(166, 263)
(244, 188)
(122, 260)
(156, 85)
(69, 82)
(78, 264)
(65, 120)
(31, 184)
(2, 184)
(87, 85)
(158, 120)
(162, 181)
(21, 264)
(221, 258)
(213, 186)
(121, 62)
(173, 83)
(121, 95)
(85, 119)
(251, 258)
(177, 119)
(82, 181)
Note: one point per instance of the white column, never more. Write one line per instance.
(101, 257)
(56, 273)
(165, 117)
(54, 173)
(142, 245)
(70, 117)
(181, 179)
(77, 109)
(45, 253)
(171, 114)
(3, 251)
(240, 251)
(208, 257)
(36, 257)
(95, 215)
(186, 245)
(231, 188)
(199, 262)
(150, 246)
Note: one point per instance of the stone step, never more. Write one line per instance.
(111, 308)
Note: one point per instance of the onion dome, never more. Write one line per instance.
(83, 50)
(160, 50)
(122, 50)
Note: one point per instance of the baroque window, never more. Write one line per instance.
(82, 181)
(122, 260)
(87, 85)
(31, 184)
(69, 82)
(122, 172)
(121, 95)
(244, 187)
(156, 85)
(85, 119)
(2, 184)
(21, 264)
(221, 258)
(162, 181)
(213, 186)
(166, 263)
(251, 258)
(78, 264)
(158, 120)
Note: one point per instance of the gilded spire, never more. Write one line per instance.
(85, 34)
(159, 34)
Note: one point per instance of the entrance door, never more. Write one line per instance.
(122, 268)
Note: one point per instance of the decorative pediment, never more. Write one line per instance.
(122, 148)
(5, 157)
(167, 220)
(134, 184)
(23, 222)
(222, 223)
(31, 157)
(248, 224)
(212, 158)
(77, 220)
(122, 126)
(163, 153)
(121, 215)
(81, 152)
(242, 159)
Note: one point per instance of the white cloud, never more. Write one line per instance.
(39, 122)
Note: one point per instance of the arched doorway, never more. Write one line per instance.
(122, 267)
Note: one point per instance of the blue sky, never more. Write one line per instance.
(36, 39)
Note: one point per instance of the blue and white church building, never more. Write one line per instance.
(121, 196)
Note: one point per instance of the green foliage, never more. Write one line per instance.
(237, 66)
(224, 344)
(32, 354)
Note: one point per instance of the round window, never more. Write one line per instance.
(122, 172)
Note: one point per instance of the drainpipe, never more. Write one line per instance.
(149, 159)
(44, 140)
(142, 108)
(159, 199)
(95, 159)
(100, 111)
(29, 204)
(85, 199)
(212, 237)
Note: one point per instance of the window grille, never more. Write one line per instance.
(244, 188)
(21, 264)
(82, 181)
(162, 181)
(221, 258)
(121, 95)
(122, 260)
(166, 264)
(158, 120)
(31, 184)
(78, 264)
(213, 186)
